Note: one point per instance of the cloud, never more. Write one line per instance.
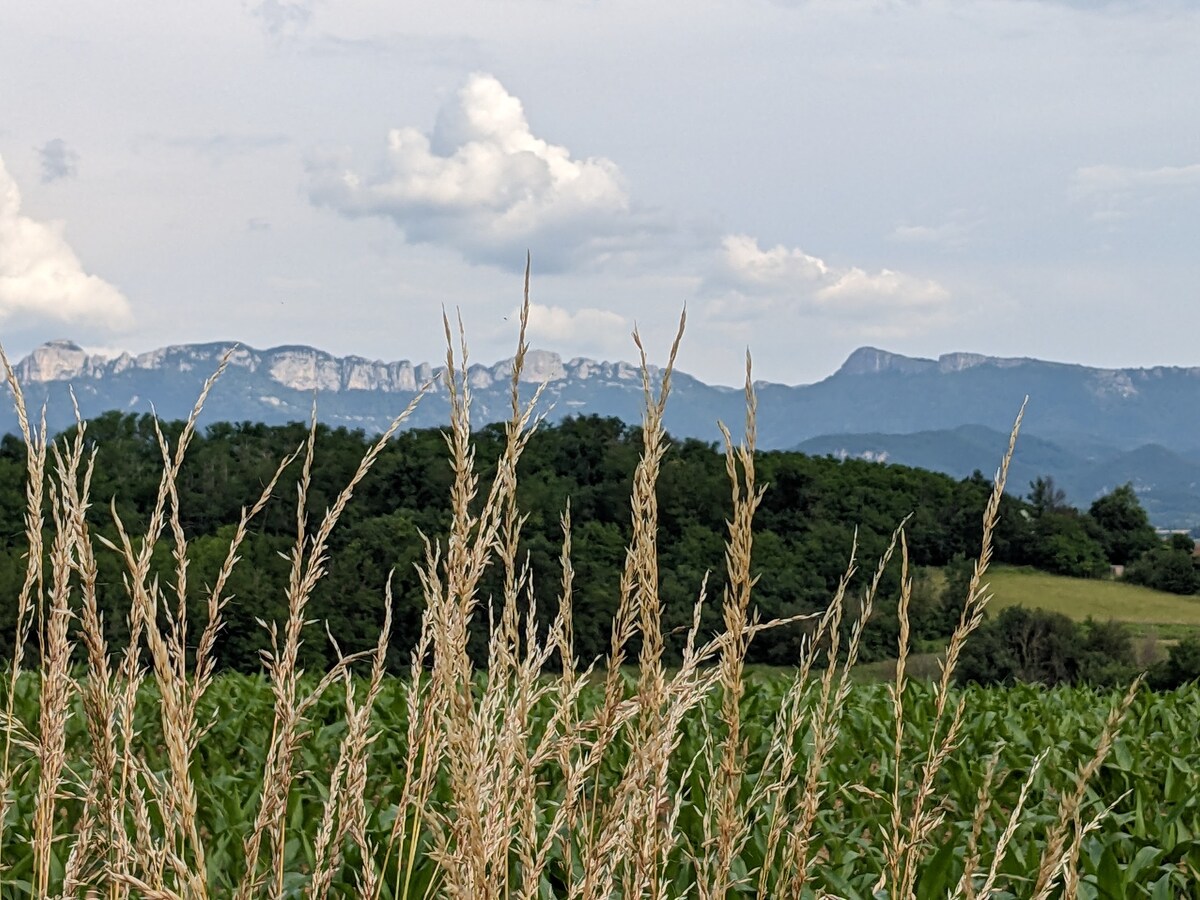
(750, 281)
(1159, 7)
(448, 51)
(948, 234)
(284, 18)
(884, 291)
(556, 325)
(40, 275)
(1090, 181)
(1112, 191)
(485, 185)
(58, 160)
(220, 146)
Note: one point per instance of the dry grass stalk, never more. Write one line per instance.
(460, 839)
(896, 691)
(1006, 836)
(983, 805)
(794, 716)
(630, 831)
(826, 726)
(516, 664)
(645, 833)
(424, 742)
(1082, 829)
(57, 688)
(642, 839)
(176, 799)
(492, 813)
(346, 813)
(565, 723)
(99, 691)
(28, 599)
(908, 843)
(726, 821)
(308, 564)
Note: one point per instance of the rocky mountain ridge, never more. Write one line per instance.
(301, 368)
(873, 361)
(1092, 415)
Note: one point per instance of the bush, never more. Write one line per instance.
(1032, 645)
(1165, 568)
(1181, 666)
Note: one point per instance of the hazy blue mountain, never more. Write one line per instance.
(1089, 428)
(960, 451)
(880, 392)
(1168, 483)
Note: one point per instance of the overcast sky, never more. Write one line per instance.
(1019, 178)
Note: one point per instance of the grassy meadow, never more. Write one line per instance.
(138, 771)
(1145, 610)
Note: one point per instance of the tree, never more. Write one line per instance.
(1182, 542)
(1122, 526)
(1045, 496)
(1063, 546)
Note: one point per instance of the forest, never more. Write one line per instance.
(815, 512)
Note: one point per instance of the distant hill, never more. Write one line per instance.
(1070, 405)
(957, 451)
(1167, 483)
(1089, 428)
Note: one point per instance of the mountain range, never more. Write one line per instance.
(1090, 429)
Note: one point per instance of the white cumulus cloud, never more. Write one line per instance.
(484, 184)
(751, 268)
(780, 281)
(587, 329)
(884, 291)
(40, 275)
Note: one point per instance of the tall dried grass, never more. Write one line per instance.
(475, 799)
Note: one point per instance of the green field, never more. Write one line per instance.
(1146, 847)
(1169, 615)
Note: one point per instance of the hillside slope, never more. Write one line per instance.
(1169, 615)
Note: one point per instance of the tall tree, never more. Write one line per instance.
(1045, 496)
(1122, 526)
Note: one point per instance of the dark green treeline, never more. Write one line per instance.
(805, 529)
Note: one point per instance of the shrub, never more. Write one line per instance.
(1181, 666)
(1165, 568)
(1033, 645)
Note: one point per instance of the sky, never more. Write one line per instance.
(1015, 178)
